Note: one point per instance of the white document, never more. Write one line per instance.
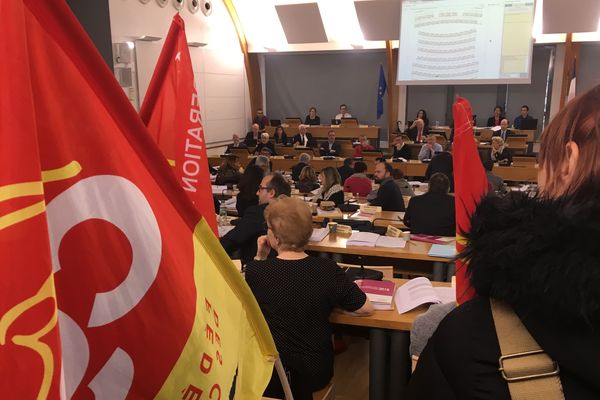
(442, 250)
(419, 291)
(219, 189)
(367, 239)
(223, 230)
(318, 234)
(390, 242)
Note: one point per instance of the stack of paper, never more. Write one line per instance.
(363, 216)
(367, 239)
(335, 213)
(446, 251)
(390, 242)
(419, 291)
(318, 234)
(380, 293)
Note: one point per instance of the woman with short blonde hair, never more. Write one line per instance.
(296, 293)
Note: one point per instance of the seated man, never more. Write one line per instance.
(252, 224)
(236, 144)
(303, 138)
(330, 147)
(358, 183)
(265, 145)
(432, 213)
(388, 196)
(343, 112)
(504, 132)
(524, 115)
(346, 169)
(429, 149)
(363, 145)
(253, 136)
(303, 161)
(401, 150)
(417, 131)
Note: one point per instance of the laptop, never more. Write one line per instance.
(275, 122)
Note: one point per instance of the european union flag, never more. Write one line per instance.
(381, 91)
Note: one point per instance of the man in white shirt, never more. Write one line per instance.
(343, 112)
(429, 149)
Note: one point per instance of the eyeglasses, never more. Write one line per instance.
(264, 188)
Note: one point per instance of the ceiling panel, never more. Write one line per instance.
(561, 16)
(302, 23)
(379, 19)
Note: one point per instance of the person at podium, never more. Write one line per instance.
(343, 113)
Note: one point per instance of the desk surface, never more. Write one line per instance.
(388, 319)
(336, 243)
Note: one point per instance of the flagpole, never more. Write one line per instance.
(392, 111)
(571, 53)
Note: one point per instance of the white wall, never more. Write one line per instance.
(218, 67)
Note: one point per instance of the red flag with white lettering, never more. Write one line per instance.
(470, 185)
(98, 241)
(172, 114)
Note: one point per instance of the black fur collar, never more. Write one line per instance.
(538, 255)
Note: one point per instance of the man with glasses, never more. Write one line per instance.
(252, 224)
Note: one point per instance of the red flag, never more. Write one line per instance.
(172, 114)
(98, 241)
(470, 185)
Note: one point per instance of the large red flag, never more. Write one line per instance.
(98, 241)
(172, 114)
(470, 185)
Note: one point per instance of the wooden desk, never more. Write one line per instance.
(336, 243)
(382, 219)
(389, 340)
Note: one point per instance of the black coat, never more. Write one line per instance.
(441, 162)
(345, 172)
(541, 257)
(296, 169)
(241, 145)
(309, 139)
(504, 158)
(404, 152)
(249, 141)
(324, 149)
(431, 214)
(247, 230)
(268, 145)
(389, 196)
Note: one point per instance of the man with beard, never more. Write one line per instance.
(389, 196)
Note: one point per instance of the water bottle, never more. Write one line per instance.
(222, 215)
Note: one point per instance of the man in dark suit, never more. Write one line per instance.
(236, 144)
(401, 150)
(330, 147)
(504, 132)
(432, 213)
(304, 138)
(252, 224)
(253, 136)
(346, 170)
(389, 196)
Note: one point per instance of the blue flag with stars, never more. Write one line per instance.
(381, 91)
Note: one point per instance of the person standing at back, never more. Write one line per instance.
(433, 212)
(261, 119)
(389, 196)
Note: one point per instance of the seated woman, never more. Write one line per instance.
(312, 118)
(308, 180)
(280, 136)
(296, 294)
(249, 183)
(229, 171)
(500, 154)
(331, 187)
(264, 145)
(432, 213)
(363, 145)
